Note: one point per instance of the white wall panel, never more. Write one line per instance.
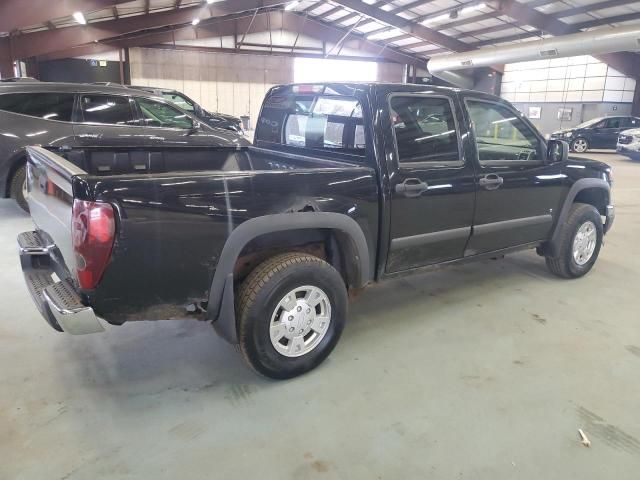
(573, 79)
(612, 96)
(614, 83)
(592, 96)
(594, 83)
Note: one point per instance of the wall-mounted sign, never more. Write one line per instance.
(93, 63)
(535, 112)
(565, 113)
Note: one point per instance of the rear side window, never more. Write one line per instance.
(107, 110)
(49, 106)
(320, 122)
(424, 128)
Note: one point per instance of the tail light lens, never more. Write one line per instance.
(93, 232)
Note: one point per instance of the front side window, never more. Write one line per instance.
(501, 135)
(425, 129)
(107, 110)
(157, 114)
(179, 100)
(613, 123)
(49, 106)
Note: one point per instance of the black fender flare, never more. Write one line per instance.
(221, 305)
(575, 189)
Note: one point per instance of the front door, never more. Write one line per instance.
(605, 133)
(432, 186)
(518, 191)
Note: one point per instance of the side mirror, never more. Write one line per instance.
(557, 151)
(195, 127)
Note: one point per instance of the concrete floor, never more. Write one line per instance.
(483, 371)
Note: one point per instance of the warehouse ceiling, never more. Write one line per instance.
(407, 31)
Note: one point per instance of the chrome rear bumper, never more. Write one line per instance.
(57, 300)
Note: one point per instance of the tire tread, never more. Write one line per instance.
(559, 265)
(255, 281)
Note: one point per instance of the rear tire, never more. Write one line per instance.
(17, 188)
(280, 334)
(579, 243)
(580, 145)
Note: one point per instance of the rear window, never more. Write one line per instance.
(320, 122)
(49, 106)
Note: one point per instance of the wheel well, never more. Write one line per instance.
(16, 164)
(593, 196)
(331, 245)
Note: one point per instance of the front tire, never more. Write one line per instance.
(579, 243)
(17, 187)
(580, 145)
(291, 311)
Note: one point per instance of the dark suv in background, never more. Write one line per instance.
(100, 123)
(599, 132)
(216, 120)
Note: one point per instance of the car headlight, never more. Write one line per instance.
(608, 176)
(636, 138)
(568, 134)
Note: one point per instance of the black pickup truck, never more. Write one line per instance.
(347, 184)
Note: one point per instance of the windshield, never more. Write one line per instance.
(180, 100)
(588, 123)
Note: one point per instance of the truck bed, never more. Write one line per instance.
(172, 225)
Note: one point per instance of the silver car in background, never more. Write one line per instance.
(629, 143)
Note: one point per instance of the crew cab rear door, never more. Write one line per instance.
(431, 185)
(518, 190)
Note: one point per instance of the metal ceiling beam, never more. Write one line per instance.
(414, 29)
(290, 21)
(43, 42)
(14, 14)
(626, 62)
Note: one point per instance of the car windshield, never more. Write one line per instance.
(179, 100)
(588, 123)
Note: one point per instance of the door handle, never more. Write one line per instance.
(491, 181)
(411, 187)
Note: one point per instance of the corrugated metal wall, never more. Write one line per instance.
(222, 82)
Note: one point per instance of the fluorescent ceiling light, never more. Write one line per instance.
(209, 2)
(292, 5)
(472, 8)
(195, 21)
(79, 17)
(452, 14)
(440, 18)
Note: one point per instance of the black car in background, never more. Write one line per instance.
(110, 127)
(217, 120)
(599, 132)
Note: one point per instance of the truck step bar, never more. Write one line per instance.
(58, 301)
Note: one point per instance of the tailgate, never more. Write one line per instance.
(50, 198)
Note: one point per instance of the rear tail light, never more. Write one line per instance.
(93, 232)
